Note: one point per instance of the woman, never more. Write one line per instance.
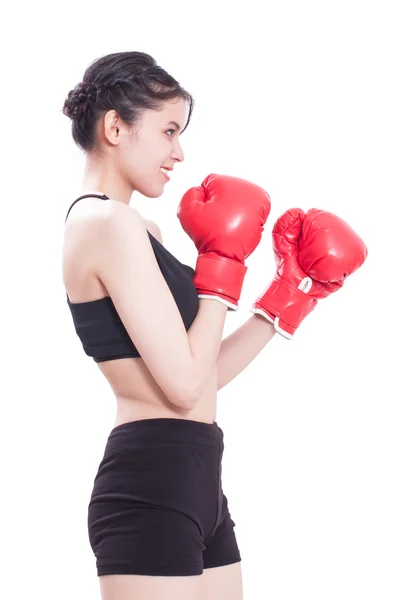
(159, 523)
(158, 520)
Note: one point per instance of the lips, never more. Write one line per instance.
(165, 174)
(164, 171)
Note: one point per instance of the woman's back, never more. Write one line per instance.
(137, 393)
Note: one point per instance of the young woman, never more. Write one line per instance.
(158, 520)
(159, 523)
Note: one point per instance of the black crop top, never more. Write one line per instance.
(98, 324)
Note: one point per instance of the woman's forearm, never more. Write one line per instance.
(205, 336)
(240, 348)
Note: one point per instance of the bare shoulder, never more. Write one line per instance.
(91, 215)
(119, 211)
(88, 225)
(154, 229)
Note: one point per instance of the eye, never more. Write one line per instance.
(173, 131)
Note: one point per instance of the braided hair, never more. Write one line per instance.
(129, 83)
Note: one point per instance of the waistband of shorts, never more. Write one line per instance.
(164, 430)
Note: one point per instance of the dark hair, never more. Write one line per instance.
(129, 83)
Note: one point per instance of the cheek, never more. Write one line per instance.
(141, 160)
(148, 156)
(154, 154)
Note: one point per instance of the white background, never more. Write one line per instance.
(303, 99)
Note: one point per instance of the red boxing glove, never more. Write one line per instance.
(314, 253)
(225, 218)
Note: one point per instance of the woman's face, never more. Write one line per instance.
(153, 144)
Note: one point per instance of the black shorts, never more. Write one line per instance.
(157, 505)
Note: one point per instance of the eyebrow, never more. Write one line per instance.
(175, 123)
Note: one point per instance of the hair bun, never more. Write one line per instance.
(78, 99)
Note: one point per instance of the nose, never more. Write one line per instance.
(177, 152)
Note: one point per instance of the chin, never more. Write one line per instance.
(152, 192)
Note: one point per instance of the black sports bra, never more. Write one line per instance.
(98, 324)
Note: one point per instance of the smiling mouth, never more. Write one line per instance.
(164, 172)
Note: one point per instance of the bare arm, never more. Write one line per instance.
(205, 336)
(124, 261)
(197, 333)
(241, 347)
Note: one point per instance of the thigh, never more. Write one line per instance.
(222, 582)
(144, 587)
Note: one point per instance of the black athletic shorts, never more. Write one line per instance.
(157, 505)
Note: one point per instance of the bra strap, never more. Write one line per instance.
(101, 196)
